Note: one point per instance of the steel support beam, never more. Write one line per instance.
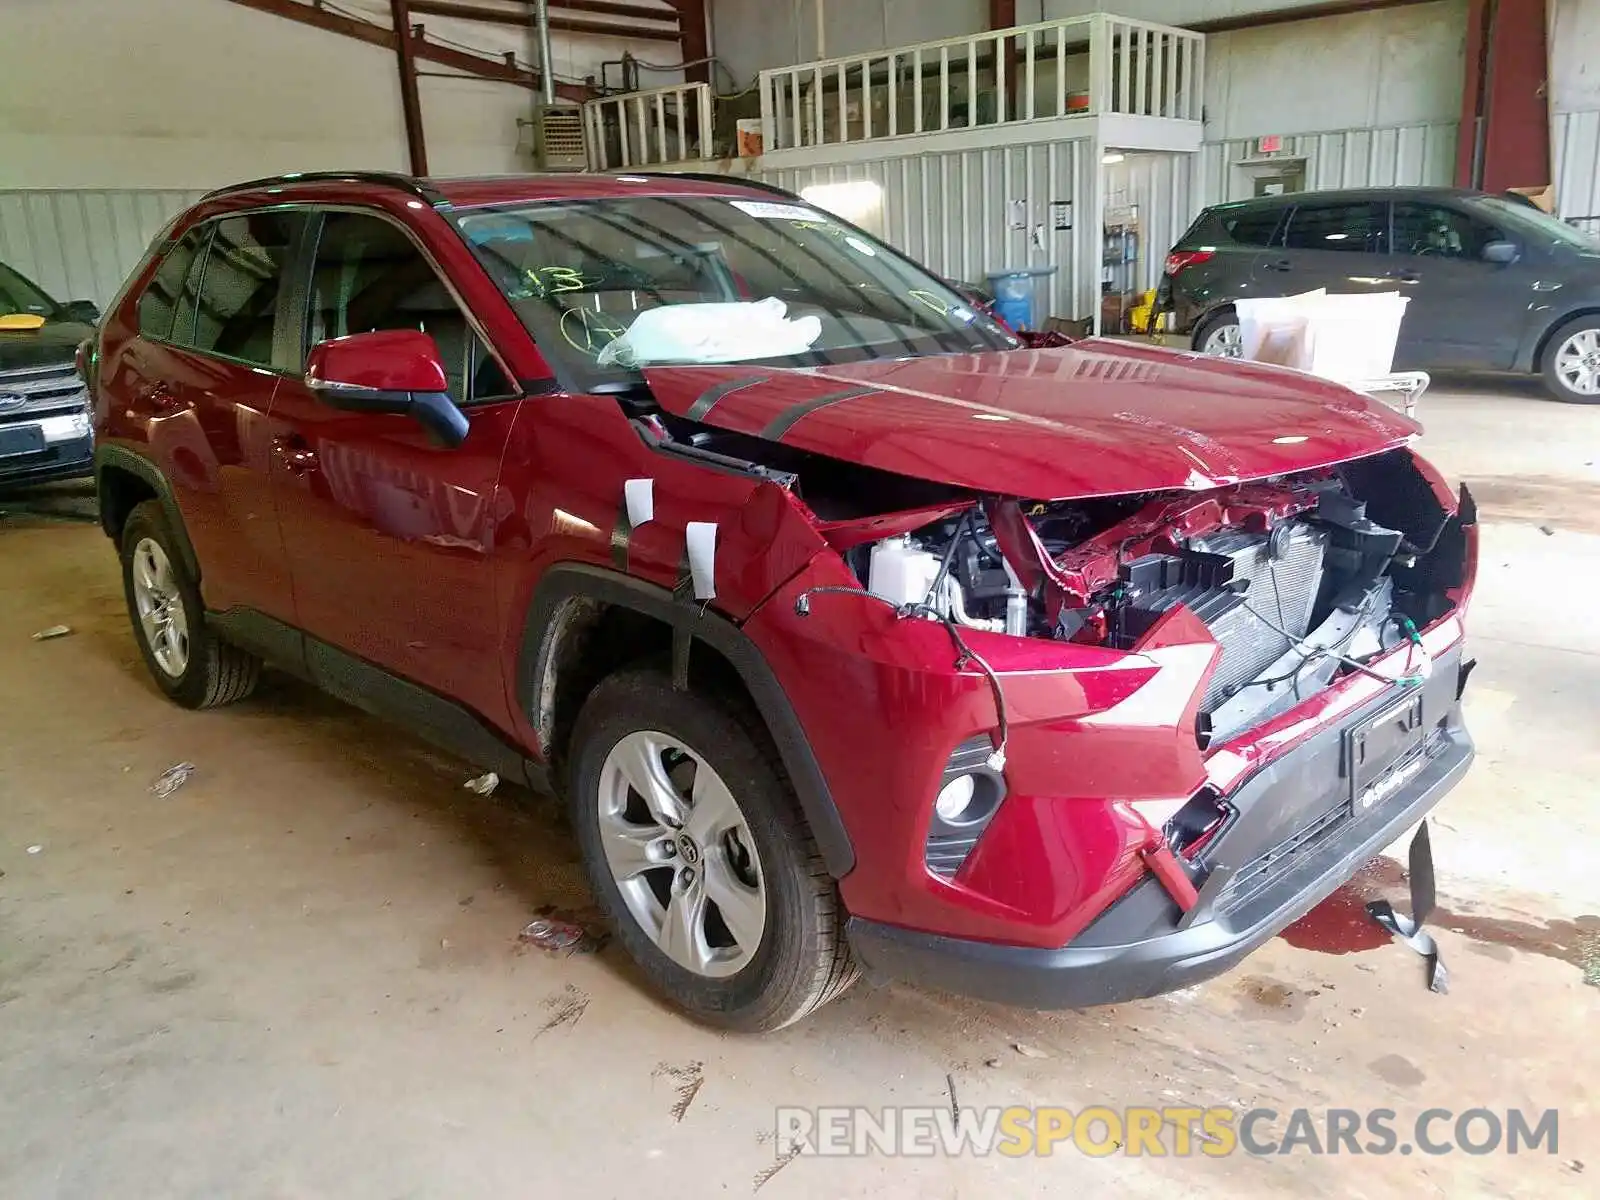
(1505, 115)
(694, 39)
(410, 96)
(504, 16)
(478, 65)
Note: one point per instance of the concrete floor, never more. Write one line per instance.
(299, 976)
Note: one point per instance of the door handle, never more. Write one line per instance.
(1278, 264)
(1405, 276)
(159, 397)
(296, 456)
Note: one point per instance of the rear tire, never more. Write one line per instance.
(1571, 365)
(1219, 335)
(708, 871)
(188, 661)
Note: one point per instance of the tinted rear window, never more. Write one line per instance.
(160, 298)
(238, 300)
(1352, 227)
(1236, 226)
(1252, 228)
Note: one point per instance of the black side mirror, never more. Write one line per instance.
(1501, 253)
(86, 311)
(438, 415)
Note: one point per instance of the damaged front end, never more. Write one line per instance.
(1299, 581)
(1306, 642)
(1146, 728)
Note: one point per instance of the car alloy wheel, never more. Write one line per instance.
(1577, 362)
(679, 848)
(160, 607)
(1224, 341)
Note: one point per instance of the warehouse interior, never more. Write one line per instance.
(286, 948)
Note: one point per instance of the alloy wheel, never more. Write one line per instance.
(1224, 341)
(680, 851)
(1578, 362)
(160, 606)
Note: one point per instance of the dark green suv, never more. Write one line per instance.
(44, 417)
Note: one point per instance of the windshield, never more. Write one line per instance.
(17, 295)
(607, 287)
(1538, 226)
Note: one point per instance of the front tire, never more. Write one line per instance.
(695, 848)
(1572, 361)
(1219, 336)
(188, 661)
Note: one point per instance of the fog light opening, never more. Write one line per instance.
(955, 800)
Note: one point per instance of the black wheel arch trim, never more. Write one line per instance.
(1531, 357)
(122, 459)
(574, 581)
(1221, 308)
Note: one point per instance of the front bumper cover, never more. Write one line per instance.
(1286, 851)
(72, 459)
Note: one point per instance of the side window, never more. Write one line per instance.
(241, 283)
(1354, 228)
(1427, 229)
(1253, 228)
(369, 275)
(160, 299)
(189, 294)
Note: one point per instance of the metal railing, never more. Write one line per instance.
(639, 129)
(1080, 66)
(1147, 70)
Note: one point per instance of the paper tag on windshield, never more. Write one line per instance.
(767, 211)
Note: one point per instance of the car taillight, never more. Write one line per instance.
(1180, 260)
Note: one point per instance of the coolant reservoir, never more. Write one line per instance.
(901, 572)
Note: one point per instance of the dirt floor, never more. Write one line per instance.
(299, 976)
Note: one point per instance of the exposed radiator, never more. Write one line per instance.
(1226, 579)
(1283, 590)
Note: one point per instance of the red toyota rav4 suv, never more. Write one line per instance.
(855, 631)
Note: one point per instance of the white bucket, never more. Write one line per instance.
(1342, 337)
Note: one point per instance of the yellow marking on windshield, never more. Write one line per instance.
(13, 322)
(589, 332)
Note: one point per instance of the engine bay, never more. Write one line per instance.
(1300, 580)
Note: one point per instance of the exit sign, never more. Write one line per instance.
(1269, 145)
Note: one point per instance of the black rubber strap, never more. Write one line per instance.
(1409, 929)
(713, 395)
(791, 416)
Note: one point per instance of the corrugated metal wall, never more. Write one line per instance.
(1160, 186)
(1396, 155)
(1576, 139)
(81, 245)
(966, 213)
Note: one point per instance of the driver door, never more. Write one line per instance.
(1464, 312)
(390, 537)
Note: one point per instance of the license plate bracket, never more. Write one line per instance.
(21, 439)
(1381, 744)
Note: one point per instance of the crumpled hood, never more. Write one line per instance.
(1097, 418)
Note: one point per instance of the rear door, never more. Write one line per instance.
(1340, 245)
(1216, 261)
(1464, 312)
(389, 536)
(201, 375)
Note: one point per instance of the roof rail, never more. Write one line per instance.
(759, 185)
(392, 179)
